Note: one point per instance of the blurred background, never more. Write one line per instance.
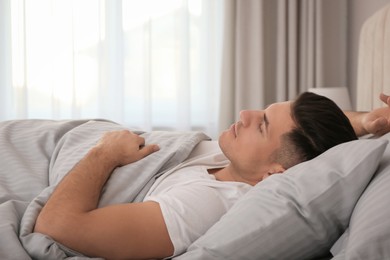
(173, 64)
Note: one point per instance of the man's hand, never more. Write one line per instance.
(124, 147)
(377, 121)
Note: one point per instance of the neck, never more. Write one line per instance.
(229, 174)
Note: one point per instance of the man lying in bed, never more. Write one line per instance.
(180, 209)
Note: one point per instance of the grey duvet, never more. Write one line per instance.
(36, 154)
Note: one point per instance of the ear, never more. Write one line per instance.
(275, 168)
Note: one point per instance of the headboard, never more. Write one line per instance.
(374, 60)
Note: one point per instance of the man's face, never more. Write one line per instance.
(250, 142)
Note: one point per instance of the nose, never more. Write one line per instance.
(249, 116)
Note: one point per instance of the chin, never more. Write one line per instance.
(222, 137)
(223, 141)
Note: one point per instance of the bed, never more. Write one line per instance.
(332, 207)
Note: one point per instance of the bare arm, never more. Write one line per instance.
(375, 122)
(71, 217)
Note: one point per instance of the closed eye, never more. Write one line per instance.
(265, 122)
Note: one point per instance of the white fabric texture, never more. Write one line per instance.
(295, 215)
(192, 200)
(368, 235)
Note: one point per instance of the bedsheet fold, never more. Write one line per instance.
(36, 154)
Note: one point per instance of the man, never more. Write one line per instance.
(260, 144)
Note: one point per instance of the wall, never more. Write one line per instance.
(358, 12)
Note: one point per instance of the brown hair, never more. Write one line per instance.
(320, 125)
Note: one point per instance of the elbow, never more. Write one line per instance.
(65, 229)
(47, 225)
(39, 226)
(56, 227)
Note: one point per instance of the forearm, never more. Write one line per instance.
(77, 193)
(356, 119)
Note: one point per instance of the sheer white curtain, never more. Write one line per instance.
(147, 64)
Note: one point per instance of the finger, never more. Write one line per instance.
(385, 128)
(385, 98)
(141, 141)
(379, 126)
(148, 149)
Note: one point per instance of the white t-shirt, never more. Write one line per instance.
(191, 199)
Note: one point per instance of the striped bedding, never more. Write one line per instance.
(301, 213)
(36, 154)
(368, 235)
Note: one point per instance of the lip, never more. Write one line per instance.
(233, 129)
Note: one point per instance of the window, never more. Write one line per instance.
(147, 64)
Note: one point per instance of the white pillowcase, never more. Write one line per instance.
(295, 215)
(368, 235)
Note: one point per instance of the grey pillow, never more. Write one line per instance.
(368, 235)
(295, 215)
